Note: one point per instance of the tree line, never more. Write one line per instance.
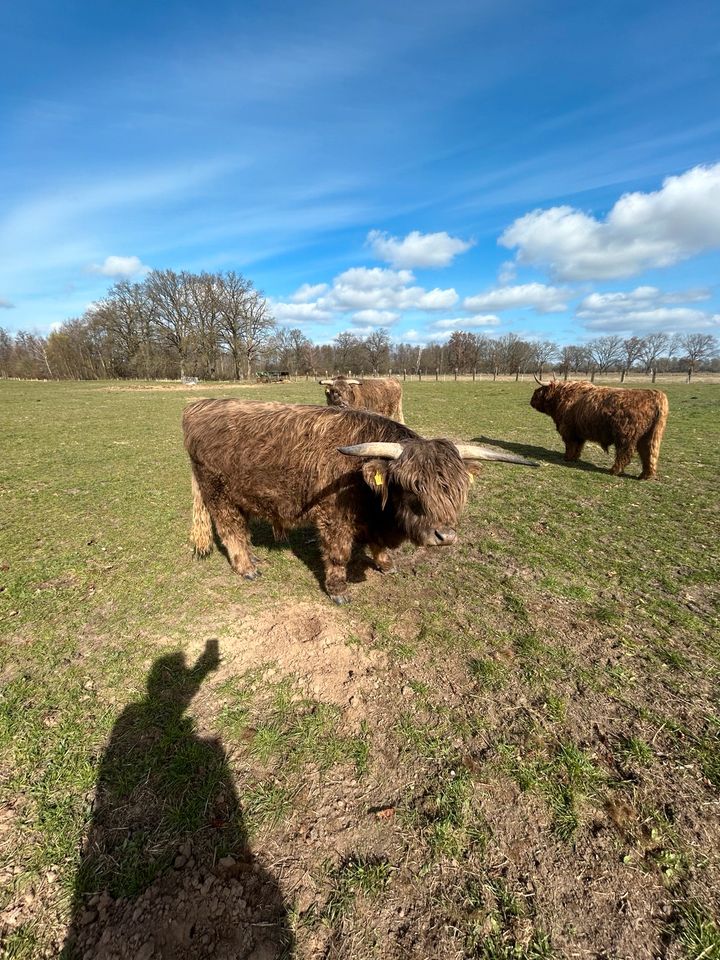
(218, 326)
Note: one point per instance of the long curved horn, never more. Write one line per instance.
(352, 381)
(389, 451)
(535, 375)
(325, 383)
(469, 451)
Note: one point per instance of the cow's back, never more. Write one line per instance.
(228, 435)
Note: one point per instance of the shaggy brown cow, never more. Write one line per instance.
(358, 477)
(377, 396)
(630, 419)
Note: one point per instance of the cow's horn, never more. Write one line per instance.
(352, 381)
(469, 451)
(535, 375)
(389, 451)
(325, 382)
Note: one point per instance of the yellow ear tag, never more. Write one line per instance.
(472, 478)
(378, 479)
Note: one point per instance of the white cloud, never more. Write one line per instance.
(6, 304)
(536, 295)
(641, 231)
(371, 278)
(467, 323)
(673, 319)
(308, 291)
(376, 288)
(378, 318)
(417, 249)
(643, 309)
(120, 267)
(624, 301)
(300, 313)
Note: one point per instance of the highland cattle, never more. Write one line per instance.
(359, 478)
(377, 396)
(629, 420)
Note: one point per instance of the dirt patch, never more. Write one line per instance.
(232, 910)
(322, 649)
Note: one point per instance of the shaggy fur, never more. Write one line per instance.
(281, 462)
(631, 420)
(377, 396)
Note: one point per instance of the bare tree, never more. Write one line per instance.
(543, 351)
(204, 293)
(376, 347)
(571, 359)
(234, 290)
(631, 352)
(346, 351)
(173, 312)
(698, 348)
(652, 349)
(605, 353)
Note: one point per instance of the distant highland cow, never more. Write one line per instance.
(631, 420)
(377, 396)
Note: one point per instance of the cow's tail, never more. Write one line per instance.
(201, 533)
(656, 433)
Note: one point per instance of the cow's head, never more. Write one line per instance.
(338, 392)
(423, 482)
(545, 397)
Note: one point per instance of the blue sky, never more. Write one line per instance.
(546, 168)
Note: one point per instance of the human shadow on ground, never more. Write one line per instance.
(166, 869)
(539, 453)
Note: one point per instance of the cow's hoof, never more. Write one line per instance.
(252, 575)
(339, 598)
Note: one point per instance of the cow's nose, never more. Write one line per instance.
(445, 537)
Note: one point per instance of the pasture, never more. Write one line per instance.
(508, 749)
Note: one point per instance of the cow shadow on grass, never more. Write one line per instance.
(539, 453)
(166, 869)
(303, 543)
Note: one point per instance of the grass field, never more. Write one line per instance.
(508, 749)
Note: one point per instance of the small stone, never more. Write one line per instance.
(179, 862)
(227, 863)
(88, 917)
(407, 691)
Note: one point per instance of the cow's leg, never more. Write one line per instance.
(573, 448)
(232, 529)
(382, 558)
(623, 455)
(336, 544)
(648, 457)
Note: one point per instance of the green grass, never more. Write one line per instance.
(566, 648)
(355, 876)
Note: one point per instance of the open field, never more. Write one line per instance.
(509, 749)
